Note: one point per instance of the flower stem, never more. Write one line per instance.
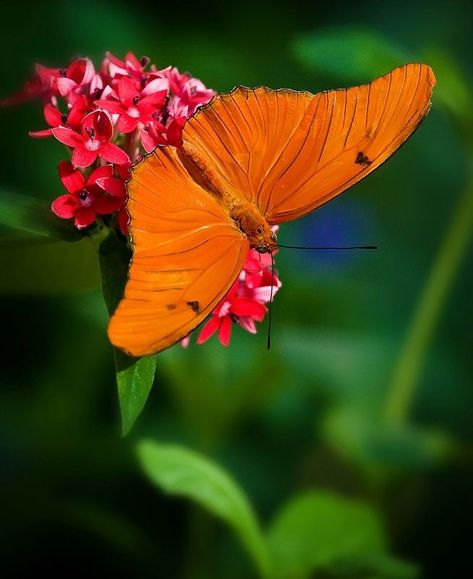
(131, 143)
(434, 295)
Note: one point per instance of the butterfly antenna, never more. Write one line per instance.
(270, 308)
(329, 246)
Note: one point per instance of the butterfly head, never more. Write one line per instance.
(266, 245)
(256, 228)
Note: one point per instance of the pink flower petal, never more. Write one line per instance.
(225, 330)
(209, 329)
(77, 112)
(124, 171)
(81, 157)
(67, 137)
(96, 84)
(72, 180)
(155, 86)
(112, 185)
(126, 124)
(65, 206)
(41, 134)
(127, 90)
(99, 173)
(100, 122)
(84, 218)
(113, 107)
(174, 131)
(105, 204)
(113, 154)
(247, 324)
(65, 85)
(263, 293)
(154, 101)
(76, 70)
(148, 142)
(132, 62)
(52, 115)
(248, 307)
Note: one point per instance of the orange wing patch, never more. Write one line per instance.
(290, 152)
(187, 253)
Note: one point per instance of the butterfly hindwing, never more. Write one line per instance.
(186, 255)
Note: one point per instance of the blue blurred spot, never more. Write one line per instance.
(342, 222)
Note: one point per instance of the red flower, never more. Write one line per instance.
(93, 141)
(188, 93)
(131, 66)
(78, 79)
(231, 308)
(102, 193)
(245, 302)
(155, 133)
(55, 118)
(133, 104)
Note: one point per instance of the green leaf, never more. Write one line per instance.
(30, 215)
(115, 256)
(182, 472)
(353, 54)
(135, 376)
(41, 266)
(317, 529)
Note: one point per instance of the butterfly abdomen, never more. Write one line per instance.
(201, 170)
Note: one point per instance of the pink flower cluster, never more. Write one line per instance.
(246, 301)
(108, 119)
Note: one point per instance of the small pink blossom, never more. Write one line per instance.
(245, 303)
(188, 93)
(131, 67)
(101, 193)
(55, 118)
(79, 79)
(155, 133)
(132, 104)
(93, 141)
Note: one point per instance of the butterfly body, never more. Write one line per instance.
(245, 214)
(250, 159)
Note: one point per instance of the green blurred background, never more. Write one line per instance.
(352, 437)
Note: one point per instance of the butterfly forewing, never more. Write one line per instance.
(186, 255)
(289, 152)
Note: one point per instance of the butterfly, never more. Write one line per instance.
(248, 160)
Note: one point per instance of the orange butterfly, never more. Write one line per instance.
(250, 159)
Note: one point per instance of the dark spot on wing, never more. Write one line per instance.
(171, 306)
(194, 306)
(369, 133)
(362, 159)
